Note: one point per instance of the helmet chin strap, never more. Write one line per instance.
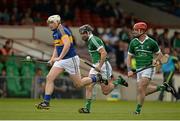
(140, 35)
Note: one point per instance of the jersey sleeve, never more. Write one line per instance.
(97, 42)
(131, 48)
(155, 47)
(66, 34)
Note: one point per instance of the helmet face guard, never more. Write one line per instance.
(138, 27)
(85, 29)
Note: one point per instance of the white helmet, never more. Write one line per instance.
(54, 18)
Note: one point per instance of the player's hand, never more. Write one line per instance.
(130, 73)
(156, 62)
(57, 59)
(51, 61)
(97, 68)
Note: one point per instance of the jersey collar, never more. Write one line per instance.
(144, 39)
(90, 36)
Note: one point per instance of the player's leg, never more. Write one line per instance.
(112, 83)
(78, 82)
(175, 94)
(165, 86)
(88, 101)
(152, 88)
(53, 73)
(89, 91)
(169, 80)
(161, 95)
(144, 86)
(141, 93)
(72, 67)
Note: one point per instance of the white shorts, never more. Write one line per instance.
(149, 73)
(70, 65)
(106, 70)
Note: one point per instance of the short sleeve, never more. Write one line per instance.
(131, 48)
(155, 47)
(97, 43)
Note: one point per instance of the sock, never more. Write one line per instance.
(160, 88)
(88, 104)
(116, 82)
(47, 98)
(138, 108)
(94, 78)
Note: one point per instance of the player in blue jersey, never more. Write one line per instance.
(64, 58)
(168, 70)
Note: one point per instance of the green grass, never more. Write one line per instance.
(67, 109)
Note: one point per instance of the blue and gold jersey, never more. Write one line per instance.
(58, 43)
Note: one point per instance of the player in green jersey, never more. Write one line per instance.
(144, 48)
(98, 55)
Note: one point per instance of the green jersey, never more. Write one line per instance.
(94, 44)
(143, 51)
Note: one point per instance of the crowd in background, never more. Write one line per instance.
(17, 12)
(170, 6)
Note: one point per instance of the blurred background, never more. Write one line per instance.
(23, 31)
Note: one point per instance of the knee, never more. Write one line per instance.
(105, 90)
(78, 85)
(48, 78)
(140, 89)
(89, 88)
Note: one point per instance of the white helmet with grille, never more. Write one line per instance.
(54, 18)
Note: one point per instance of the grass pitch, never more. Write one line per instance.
(67, 109)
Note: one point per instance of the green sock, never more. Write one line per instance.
(138, 108)
(119, 81)
(116, 82)
(160, 88)
(88, 104)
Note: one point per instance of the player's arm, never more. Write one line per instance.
(176, 62)
(158, 53)
(158, 57)
(100, 48)
(54, 55)
(66, 47)
(129, 59)
(66, 42)
(103, 55)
